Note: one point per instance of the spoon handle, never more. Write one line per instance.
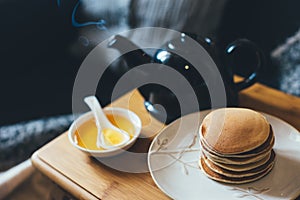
(101, 120)
(102, 123)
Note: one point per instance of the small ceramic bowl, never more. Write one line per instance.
(131, 116)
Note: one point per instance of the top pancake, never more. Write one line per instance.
(234, 130)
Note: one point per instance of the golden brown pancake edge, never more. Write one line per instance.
(221, 178)
(245, 172)
(243, 130)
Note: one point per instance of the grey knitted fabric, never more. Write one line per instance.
(287, 57)
(19, 141)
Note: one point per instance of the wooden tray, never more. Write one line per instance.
(86, 178)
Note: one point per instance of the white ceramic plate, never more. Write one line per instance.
(173, 163)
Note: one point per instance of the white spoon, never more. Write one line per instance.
(103, 123)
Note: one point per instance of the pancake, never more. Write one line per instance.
(241, 171)
(232, 180)
(238, 161)
(265, 147)
(231, 131)
(236, 145)
(251, 156)
(242, 167)
(235, 161)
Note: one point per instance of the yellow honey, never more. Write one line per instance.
(86, 134)
(112, 137)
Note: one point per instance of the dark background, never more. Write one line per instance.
(41, 50)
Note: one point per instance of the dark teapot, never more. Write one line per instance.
(162, 102)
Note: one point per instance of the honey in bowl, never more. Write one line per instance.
(86, 134)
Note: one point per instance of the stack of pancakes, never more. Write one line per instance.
(236, 145)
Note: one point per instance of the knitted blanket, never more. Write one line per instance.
(19, 141)
(287, 58)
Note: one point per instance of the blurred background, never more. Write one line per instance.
(44, 42)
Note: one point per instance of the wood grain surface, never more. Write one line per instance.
(265, 99)
(87, 178)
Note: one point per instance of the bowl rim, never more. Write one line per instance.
(118, 111)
